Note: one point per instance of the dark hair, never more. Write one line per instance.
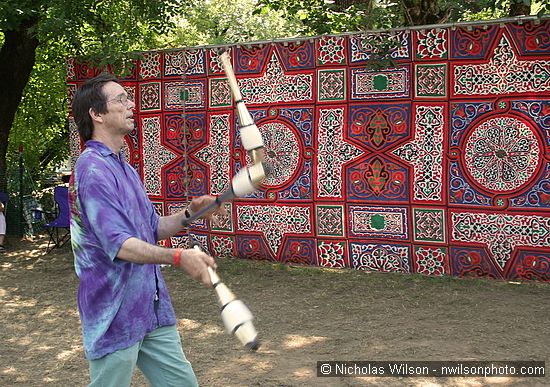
(90, 95)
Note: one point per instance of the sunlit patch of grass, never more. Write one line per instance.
(184, 323)
(304, 373)
(299, 341)
(249, 360)
(209, 330)
(75, 350)
(9, 371)
(200, 330)
(6, 266)
(19, 303)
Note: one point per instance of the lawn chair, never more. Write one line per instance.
(3, 208)
(4, 200)
(34, 217)
(58, 229)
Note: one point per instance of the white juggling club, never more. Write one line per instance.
(250, 135)
(243, 183)
(236, 317)
(249, 177)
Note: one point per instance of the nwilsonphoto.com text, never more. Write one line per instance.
(431, 368)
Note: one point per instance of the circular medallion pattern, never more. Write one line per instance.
(282, 152)
(502, 154)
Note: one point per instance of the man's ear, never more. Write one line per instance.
(95, 115)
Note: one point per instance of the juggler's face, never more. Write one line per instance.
(120, 109)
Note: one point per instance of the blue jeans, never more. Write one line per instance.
(159, 356)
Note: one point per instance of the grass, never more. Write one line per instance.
(238, 267)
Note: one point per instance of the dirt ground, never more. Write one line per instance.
(302, 316)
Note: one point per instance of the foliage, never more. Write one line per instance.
(540, 7)
(40, 122)
(204, 22)
(105, 32)
(495, 9)
(385, 14)
(325, 16)
(492, 9)
(102, 32)
(329, 16)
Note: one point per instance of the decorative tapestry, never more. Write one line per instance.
(439, 164)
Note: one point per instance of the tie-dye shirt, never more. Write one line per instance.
(116, 298)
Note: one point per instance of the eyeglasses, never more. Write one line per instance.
(124, 99)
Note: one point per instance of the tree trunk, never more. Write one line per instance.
(422, 12)
(520, 7)
(17, 58)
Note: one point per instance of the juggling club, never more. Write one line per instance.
(250, 135)
(243, 183)
(249, 177)
(236, 316)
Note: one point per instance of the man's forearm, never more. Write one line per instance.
(170, 225)
(138, 251)
(193, 262)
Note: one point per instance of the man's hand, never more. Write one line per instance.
(203, 201)
(172, 224)
(194, 262)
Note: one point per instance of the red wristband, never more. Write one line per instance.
(177, 257)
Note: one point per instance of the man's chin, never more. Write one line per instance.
(131, 126)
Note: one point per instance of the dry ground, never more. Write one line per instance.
(302, 315)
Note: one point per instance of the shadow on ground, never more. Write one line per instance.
(303, 316)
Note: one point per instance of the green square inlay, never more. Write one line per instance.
(431, 80)
(331, 85)
(429, 225)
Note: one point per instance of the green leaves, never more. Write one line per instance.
(327, 17)
(100, 32)
(14, 12)
(204, 22)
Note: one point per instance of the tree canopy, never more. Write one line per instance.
(334, 16)
(36, 36)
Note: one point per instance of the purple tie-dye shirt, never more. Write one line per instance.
(116, 298)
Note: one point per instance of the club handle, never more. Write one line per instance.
(228, 69)
(226, 196)
(214, 278)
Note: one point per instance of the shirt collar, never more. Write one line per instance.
(103, 149)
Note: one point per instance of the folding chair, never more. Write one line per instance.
(59, 229)
(4, 201)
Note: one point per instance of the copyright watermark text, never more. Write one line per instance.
(431, 368)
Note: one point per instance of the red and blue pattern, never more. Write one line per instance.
(438, 166)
